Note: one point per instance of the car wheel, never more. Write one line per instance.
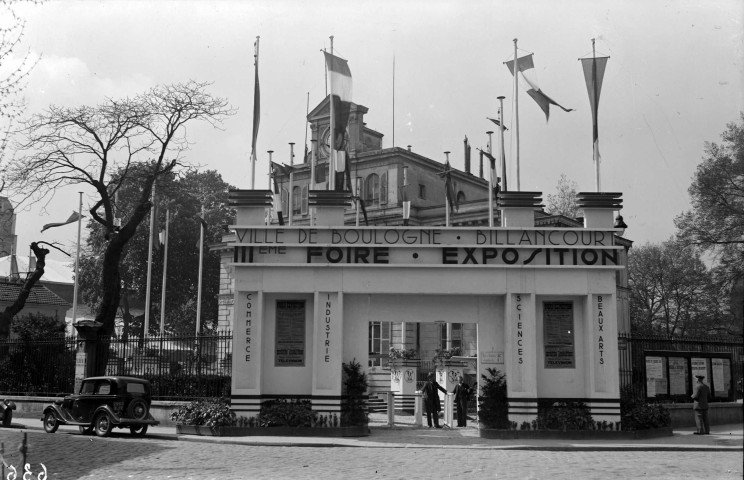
(86, 430)
(137, 409)
(138, 431)
(102, 425)
(50, 423)
(8, 417)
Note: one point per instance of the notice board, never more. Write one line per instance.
(290, 345)
(558, 329)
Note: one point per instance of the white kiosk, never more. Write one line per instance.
(543, 299)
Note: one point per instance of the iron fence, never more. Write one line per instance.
(178, 367)
(634, 348)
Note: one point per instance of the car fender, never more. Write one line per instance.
(115, 419)
(58, 413)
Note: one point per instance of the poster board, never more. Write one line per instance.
(558, 334)
(656, 383)
(721, 376)
(677, 376)
(290, 345)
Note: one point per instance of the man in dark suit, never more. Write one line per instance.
(462, 395)
(430, 399)
(701, 395)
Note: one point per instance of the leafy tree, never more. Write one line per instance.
(99, 147)
(672, 290)
(564, 201)
(716, 221)
(37, 326)
(183, 195)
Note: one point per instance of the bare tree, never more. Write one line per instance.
(13, 74)
(99, 146)
(564, 201)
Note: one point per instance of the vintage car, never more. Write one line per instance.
(102, 404)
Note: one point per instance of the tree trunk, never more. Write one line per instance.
(6, 316)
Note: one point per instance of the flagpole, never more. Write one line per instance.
(201, 263)
(516, 110)
(77, 262)
(502, 156)
(165, 273)
(490, 182)
(331, 137)
(290, 214)
(393, 100)
(446, 193)
(149, 264)
(595, 113)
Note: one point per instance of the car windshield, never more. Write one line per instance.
(135, 387)
(87, 388)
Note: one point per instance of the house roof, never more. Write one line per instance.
(40, 295)
(55, 271)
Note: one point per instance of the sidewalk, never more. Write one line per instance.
(406, 435)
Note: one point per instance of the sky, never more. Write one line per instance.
(430, 73)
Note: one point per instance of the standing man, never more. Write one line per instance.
(701, 395)
(462, 395)
(430, 399)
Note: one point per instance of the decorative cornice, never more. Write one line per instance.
(250, 198)
(606, 200)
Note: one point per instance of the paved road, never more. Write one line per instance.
(73, 456)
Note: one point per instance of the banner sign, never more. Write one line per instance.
(500, 247)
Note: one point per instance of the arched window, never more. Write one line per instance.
(460, 197)
(372, 189)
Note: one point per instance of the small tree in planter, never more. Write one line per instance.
(354, 407)
(493, 408)
(564, 416)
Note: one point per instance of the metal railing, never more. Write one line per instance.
(633, 349)
(178, 367)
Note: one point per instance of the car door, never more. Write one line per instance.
(84, 401)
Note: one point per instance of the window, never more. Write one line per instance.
(296, 200)
(136, 388)
(305, 190)
(103, 388)
(443, 336)
(359, 187)
(87, 388)
(384, 189)
(379, 343)
(321, 172)
(372, 190)
(460, 197)
(456, 335)
(285, 202)
(422, 191)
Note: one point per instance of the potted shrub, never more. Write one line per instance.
(204, 417)
(493, 407)
(354, 412)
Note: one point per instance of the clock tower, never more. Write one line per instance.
(359, 138)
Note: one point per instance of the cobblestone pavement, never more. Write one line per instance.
(72, 456)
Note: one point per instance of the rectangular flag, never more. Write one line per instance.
(73, 218)
(594, 69)
(526, 76)
(340, 79)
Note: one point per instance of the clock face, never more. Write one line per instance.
(325, 142)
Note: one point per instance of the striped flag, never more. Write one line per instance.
(340, 78)
(594, 69)
(256, 107)
(527, 78)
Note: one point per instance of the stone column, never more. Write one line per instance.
(85, 359)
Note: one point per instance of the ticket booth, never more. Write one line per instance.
(543, 299)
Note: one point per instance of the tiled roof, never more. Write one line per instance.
(40, 295)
